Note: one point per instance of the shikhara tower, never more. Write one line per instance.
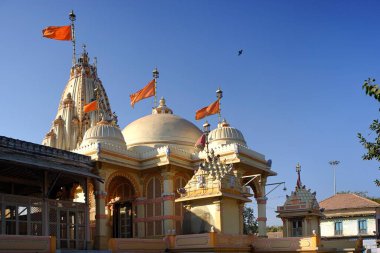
(71, 122)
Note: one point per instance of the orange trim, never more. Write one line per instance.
(261, 201)
(156, 218)
(262, 219)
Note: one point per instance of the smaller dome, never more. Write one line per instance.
(103, 132)
(224, 134)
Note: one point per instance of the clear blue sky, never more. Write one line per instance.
(295, 93)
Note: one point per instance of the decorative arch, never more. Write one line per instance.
(147, 178)
(129, 177)
(186, 176)
(255, 186)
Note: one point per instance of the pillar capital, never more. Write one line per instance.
(167, 175)
(261, 200)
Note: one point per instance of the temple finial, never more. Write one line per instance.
(72, 18)
(155, 76)
(298, 170)
(219, 95)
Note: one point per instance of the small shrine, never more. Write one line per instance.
(213, 198)
(300, 213)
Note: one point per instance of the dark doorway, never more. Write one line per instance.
(122, 220)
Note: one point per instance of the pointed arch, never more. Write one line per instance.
(127, 176)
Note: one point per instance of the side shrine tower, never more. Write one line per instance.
(71, 122)
(300, 213)
(213, 198)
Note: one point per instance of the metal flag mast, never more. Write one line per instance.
(155, 76)
(72, 17)
(219, 95)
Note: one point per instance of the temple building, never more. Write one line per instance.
(145, 164)
(300, 213)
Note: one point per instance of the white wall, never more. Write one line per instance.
(350, 226)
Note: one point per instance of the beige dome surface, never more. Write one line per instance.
(103, 132)
(225, 134)
(156, 130)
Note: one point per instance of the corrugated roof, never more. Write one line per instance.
(346, 200)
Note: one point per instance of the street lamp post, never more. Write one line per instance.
(334, 163)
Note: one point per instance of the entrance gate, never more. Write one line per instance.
(67, 221)
(122, 220)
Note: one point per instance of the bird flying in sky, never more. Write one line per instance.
(240, 52)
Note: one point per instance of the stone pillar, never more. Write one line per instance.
(241, 220)
(168, 201)
(101, 238)
(140, 215)
(261, 215)
(262, 209)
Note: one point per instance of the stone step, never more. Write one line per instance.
(81, 251)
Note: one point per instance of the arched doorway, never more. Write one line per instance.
(121, 195)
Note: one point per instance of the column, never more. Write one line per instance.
(241, 220)
(261, 216)
(101, 238)
(168, 201)
(140, 215)
(262, 208)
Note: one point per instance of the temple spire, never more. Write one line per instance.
(72, 17)
(219, 95)
(298, 169)
(155, 76)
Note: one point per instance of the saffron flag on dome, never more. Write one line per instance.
(148, 91)
(91, 106)
(213, 108)
(57, 32)
(201, 142)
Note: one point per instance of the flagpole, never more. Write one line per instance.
(97, 98)
(155, 76)
(219, 95)
(72, 17)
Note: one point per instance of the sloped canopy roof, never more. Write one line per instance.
(346, 201)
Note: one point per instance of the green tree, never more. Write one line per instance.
(249, 221)
(372, 146)
(274, 229)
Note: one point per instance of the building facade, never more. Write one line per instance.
(43, 192)
(350, 216)
(145, 163)
(300, 213)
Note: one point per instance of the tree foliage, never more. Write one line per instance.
(372, 146)
(249, 221)
(274, 229)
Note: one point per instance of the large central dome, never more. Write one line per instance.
(161, 128)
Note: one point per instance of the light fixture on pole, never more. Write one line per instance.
(334, 163)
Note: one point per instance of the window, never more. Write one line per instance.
(153, 208)
(180, 182)
(296, 228)
(362, 226)
(338, 228)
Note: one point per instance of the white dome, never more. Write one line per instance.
(103, 132)
(161, 128)
(225, 134)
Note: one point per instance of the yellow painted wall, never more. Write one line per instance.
(204, 215)
(230, 216)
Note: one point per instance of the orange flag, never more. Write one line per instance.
(208, 110)
(148, 91)
(91, 106)
(57, 32)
